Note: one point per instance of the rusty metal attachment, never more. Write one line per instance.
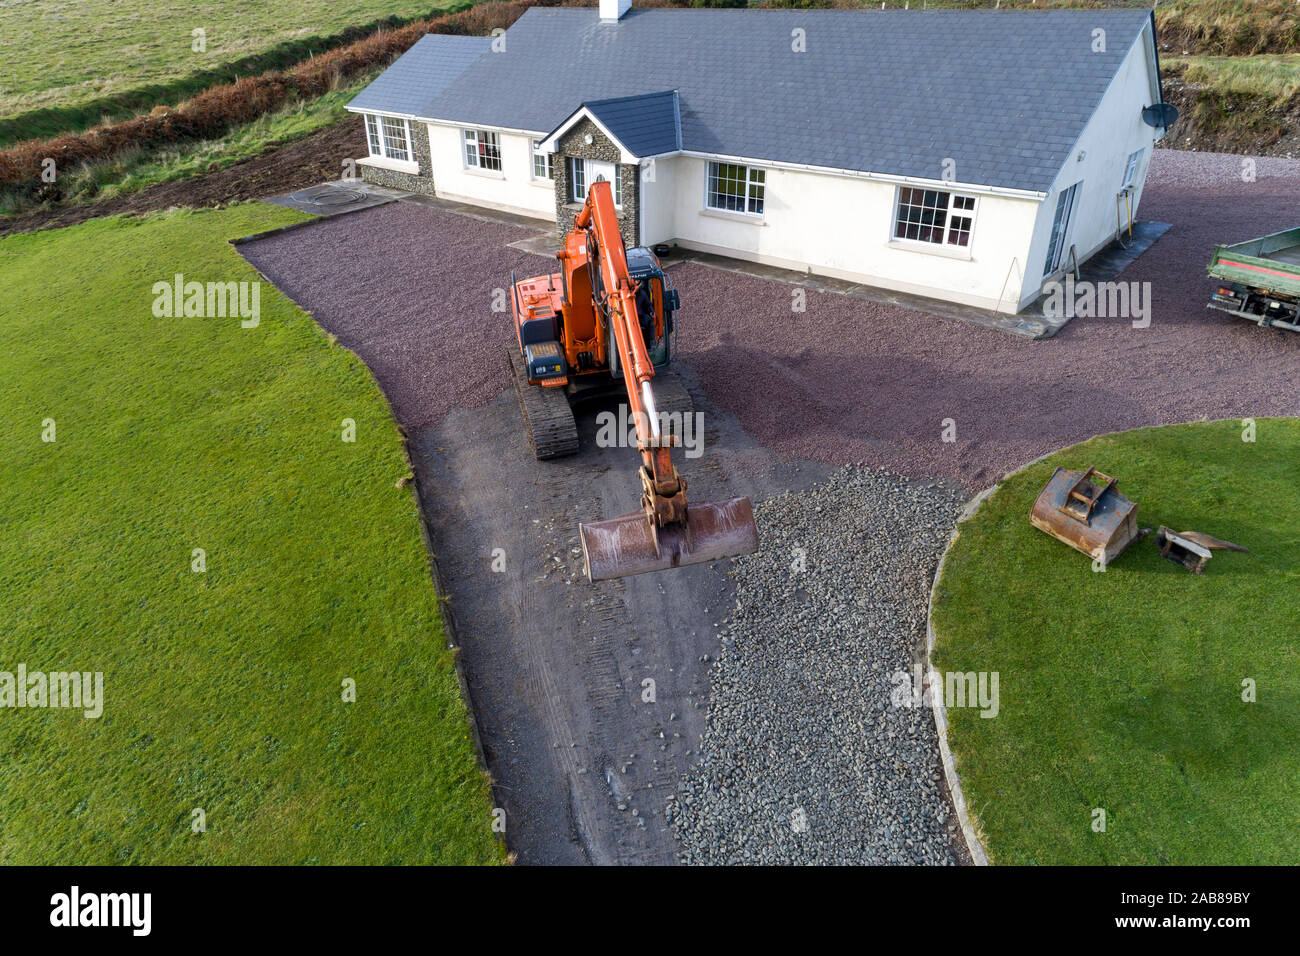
(633, 544)
(1085, 510)
(1191, 549)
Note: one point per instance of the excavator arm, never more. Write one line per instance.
(663, 488)
(665, 533)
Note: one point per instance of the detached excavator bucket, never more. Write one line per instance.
(1085, 510)
(627, 545)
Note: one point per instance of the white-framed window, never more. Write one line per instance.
(1131, 170)
(388, 137)
(482, 150)
(934, 216)
(577, 179)
(584, 172)
(541, 161)
(736, 188)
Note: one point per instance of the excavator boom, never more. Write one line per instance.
(666, 532)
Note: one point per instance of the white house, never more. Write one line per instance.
(963, 155)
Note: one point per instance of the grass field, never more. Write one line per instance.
(80, 55)
(1123, 690)
(223, 690)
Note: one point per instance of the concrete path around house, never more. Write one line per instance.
(555, 665)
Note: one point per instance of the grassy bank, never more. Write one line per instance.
(1275, 79)
(223, 690)
(1235, 104)
(138, 169)
(1122, 690)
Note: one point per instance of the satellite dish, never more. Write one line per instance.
(1160, 116)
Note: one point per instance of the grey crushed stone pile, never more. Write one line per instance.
(800, 723)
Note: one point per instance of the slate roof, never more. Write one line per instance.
(1002, 94)
(420, 74)
(646, 125)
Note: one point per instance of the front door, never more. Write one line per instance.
(597, 170)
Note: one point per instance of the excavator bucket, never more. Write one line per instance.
(628, 545)
(1085, 510)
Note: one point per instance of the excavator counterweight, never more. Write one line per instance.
(597, 322)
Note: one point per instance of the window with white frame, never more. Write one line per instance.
(577, 179)
(482, 150)
(736, 188)
(1131, 170)
(584, 172)
(388, 137)
(934, 216)
(541, 161)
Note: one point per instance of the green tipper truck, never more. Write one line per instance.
(1260, 279)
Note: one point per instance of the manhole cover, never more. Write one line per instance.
(327, 196)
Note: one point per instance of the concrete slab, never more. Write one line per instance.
(1105, 266)
(337, 197)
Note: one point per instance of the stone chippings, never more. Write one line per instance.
(800, 725)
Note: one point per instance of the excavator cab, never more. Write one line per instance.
(656, 303)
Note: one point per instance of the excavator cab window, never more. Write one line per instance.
(646, 309)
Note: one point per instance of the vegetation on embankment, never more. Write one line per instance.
(1248, 105)
(135, 169)
(1229, 27)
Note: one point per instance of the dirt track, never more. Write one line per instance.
(555, 665)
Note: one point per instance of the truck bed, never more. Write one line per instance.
(1270, 263)
(1259, 279)
(1289, 254)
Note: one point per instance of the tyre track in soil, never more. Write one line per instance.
(568, 736)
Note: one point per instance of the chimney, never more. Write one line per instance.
(611, 11)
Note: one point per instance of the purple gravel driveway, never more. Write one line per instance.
(410, 289)
(850, 380)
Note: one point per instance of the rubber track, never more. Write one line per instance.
(547, 415)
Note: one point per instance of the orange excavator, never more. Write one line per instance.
(605, 323)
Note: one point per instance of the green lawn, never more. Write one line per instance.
(223, 689)
(1123, 690)
(91, 56)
